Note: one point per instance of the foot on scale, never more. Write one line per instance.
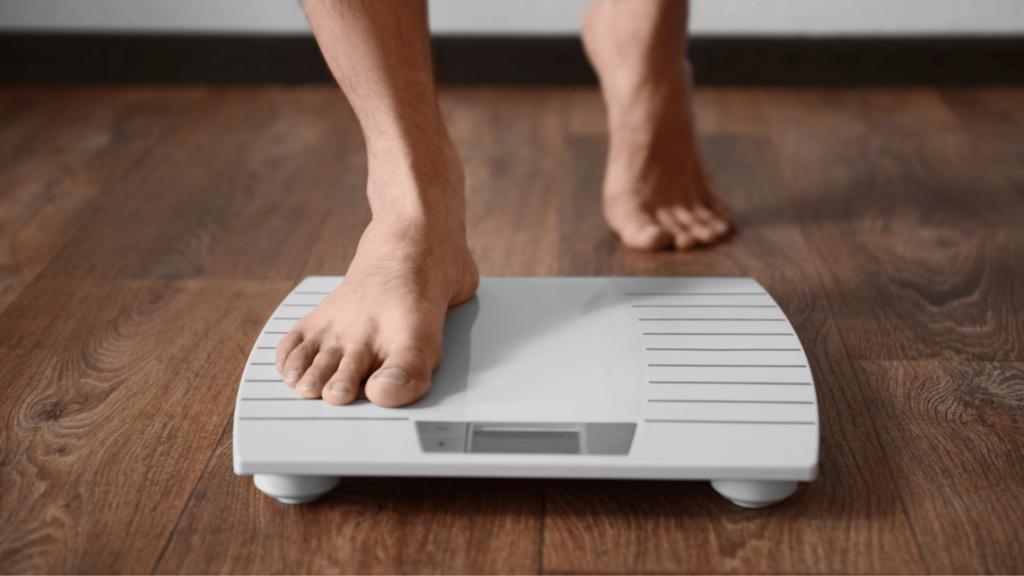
(290, 489)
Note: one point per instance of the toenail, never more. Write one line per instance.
(719, 227)
(307, 383)
(652, 228)
(392, 375)
(340, 389)
(292, 376)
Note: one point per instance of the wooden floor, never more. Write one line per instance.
(147, 233)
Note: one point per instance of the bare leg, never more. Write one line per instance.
(656, 191)
(412, 263)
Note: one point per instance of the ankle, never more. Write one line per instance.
(427, 184)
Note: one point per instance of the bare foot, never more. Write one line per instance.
(387, 317)
(656, 191)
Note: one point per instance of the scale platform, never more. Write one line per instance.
(627, 378)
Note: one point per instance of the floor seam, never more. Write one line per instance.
(191, 494)
(851, 365)
(819, 274)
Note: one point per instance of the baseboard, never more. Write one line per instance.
(72, 59)
(75, 59)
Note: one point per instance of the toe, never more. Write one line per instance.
(298, 361)
(638, 230)
(323, 367)
(681, 237)
(343, 385)
(284, 349)
(684, 241)
(703, 233)
(697, 228)
(718, 225)
(645, 234)
(403, 378)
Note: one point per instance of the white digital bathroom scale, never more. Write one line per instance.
(628, 378)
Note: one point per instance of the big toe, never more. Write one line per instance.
(640, 231)
(400, 381)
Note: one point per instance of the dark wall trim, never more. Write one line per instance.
(69, 59)
(512, 61)
(860, 62)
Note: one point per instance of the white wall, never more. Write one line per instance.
(536, 17)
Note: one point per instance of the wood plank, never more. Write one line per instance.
(918, 248)
(512, 144)
(886, 224)
(365, 525)
(118, 392)
(346, 209)
(953, 435)
(728, 111)
(240, 189)
(586, 114)
(993, 120)
(59, 151)
(849, 520)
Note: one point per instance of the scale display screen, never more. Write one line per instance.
(526, 437)
(491, 439)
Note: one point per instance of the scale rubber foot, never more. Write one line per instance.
(755, 493)
(294, 489)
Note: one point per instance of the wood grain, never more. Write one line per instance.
(366, 525)
(116, 396)
(59, 154)
(147, 232)
(918, 244)
(512, 143)
(954, 438)
(993, 120)
(239, 189)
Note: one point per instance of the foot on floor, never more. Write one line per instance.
(656, 190)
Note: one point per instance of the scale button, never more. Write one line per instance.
(442, 436)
